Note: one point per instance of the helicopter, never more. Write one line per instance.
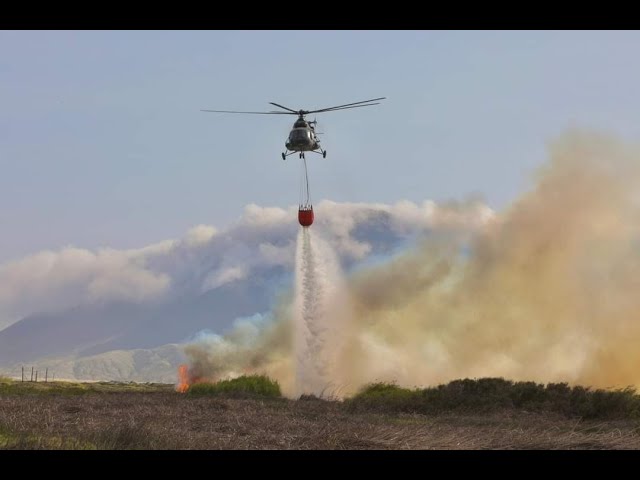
(303, 136)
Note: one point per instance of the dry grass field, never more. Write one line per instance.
(148, 416)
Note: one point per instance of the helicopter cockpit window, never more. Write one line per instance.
(299, 135)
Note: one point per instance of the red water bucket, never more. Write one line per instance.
(305, 216)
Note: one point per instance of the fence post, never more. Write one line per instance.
(46, 375)
(32, 374)
(23, 373)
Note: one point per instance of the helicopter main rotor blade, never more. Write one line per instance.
(335, 109)
(254, 113)
(282, 106)
(347, 105)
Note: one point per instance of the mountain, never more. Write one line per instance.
(94, 329)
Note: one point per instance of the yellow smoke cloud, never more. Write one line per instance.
(548, 291)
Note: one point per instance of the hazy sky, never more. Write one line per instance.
(102, 142)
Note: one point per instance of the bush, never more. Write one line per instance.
(241, 387)
(478, 395)
(493, 394)
(386, 396)
(604, 404)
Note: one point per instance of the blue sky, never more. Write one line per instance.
(102, 142)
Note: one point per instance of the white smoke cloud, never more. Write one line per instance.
(206, 257)
(200, 235)
(223, 276)
(55, 280)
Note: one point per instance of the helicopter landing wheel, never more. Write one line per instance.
(324, 154)
(284, 156)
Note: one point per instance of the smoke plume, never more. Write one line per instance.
(206, 258)
(545, 291)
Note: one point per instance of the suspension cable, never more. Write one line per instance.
(306, 176)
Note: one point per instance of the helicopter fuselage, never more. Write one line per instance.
(302, 139)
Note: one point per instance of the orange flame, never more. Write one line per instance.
(183, 378)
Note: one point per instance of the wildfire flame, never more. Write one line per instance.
(183, 378)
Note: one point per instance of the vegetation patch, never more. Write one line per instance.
(17, 387)
(494, 394)
(10, 440)
(249, 386)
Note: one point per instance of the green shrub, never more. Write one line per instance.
(493, 394)
(478, 395)
(527, 394)
(241, 387)
(386, 397)
(384, 390)
(604, 403)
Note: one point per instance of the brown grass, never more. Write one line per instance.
(163, 420)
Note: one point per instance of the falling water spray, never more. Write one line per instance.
(320, 313)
